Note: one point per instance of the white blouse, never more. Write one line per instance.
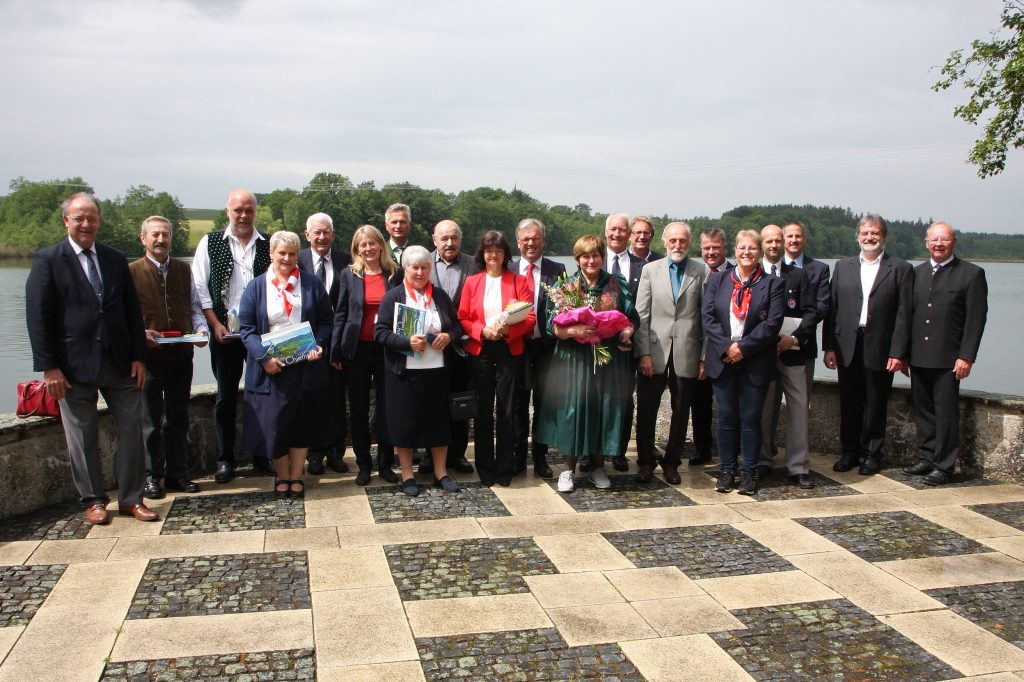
(275, 305)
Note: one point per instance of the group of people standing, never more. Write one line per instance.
(742, 335)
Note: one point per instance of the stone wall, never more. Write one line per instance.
(34, 470)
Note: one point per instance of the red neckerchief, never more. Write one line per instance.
(285, 288)
(741, 301)
(426, 296)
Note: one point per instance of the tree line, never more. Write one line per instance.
(30, 217)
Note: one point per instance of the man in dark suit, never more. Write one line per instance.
(795, 236)
(326, 263)
(712, 252)
(539, 345)
(792, 349)
(867, 337)
(950, 309)
(88, 337)
(451, 267)
(669, 343)
(641, 234)
(619, 261)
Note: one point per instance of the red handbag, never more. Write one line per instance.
(34, 401)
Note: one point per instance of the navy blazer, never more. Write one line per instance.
(253, 321)
(636, 264)
(799, 301)
(339, 260)
(395, 345)
(348, 312)
(66, 321)
(760, 331)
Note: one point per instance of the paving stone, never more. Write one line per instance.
(59, 522)
(825, 640)
(712, 551)
(295, 664)
(626, 493)
(521, 655)
(390, 505)
(889, 536)
(230, 583)
(997, 607)
(777, 487)
(23, 589)
(959, 480)
(465, 568)
(1010, 513)
(232, 512)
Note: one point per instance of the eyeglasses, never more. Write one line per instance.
(83, 219)
(940, 240)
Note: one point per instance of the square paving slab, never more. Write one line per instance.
(699, 551)
(521, 655)
(23, 589)
(233, 512)
(296, 664)
(1010, 513)
(62, 522)
(390, 505)
(465, 568)
(626, 493)
(777, 487)
(230, 583)
(997, 607)
(889, 536)
(825, 640)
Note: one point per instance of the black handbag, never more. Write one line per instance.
(462, 405)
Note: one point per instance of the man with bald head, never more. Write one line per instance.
(224, 263)
(669, 340)
(950, 310)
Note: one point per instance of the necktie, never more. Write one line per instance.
(775, 270)
(321, 271)
(94, 274)
(162, 267)
(616, 269)
(936, 268)
(677, 280)
(529, 277)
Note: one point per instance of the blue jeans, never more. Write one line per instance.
(739, 417)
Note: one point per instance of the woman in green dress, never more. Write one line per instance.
(588, 388)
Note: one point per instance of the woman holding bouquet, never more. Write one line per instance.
(278, 419)
(742, 315)
(591, 313)
(416, 381)
(495, 352)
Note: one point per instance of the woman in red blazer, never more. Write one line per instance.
(495, 353)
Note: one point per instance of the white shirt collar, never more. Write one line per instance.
(943, 263)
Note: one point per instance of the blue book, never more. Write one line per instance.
(291, 344)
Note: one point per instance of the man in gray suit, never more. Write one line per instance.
(451, 268)
(668, 343)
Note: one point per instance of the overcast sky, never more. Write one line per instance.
(684, 108)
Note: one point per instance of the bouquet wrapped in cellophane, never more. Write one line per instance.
(575, 304)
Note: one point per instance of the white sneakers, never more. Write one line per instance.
(600, 478)
(565, 482)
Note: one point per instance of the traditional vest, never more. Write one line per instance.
(222, 264)
(165, 305)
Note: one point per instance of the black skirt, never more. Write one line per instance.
(286, 417)
(417, 408)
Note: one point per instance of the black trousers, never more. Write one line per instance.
(648, 400)
(335, 415)
(531, 386)
(863, 407)
(936, 397)
(627, 414)
(458, 381)
(228, 362)
(495, 377)
(165, 414)
(366, 368)
(701, 413)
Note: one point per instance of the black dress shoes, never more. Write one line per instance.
(461, 465)
(518, 465)
(264, 467)
(645, 474)
(803, 480)
(700, 460)
(183, 485)
(620, 463)
(363, 477)
(763, 471)
(869, 467)
(845, 463)
(336, 463)
(922, 468)
(388, 475)
(152, 490)
(541, 468)
(315, 467)
(225, 473)
(937, 477)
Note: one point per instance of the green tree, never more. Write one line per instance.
(30, 215)
(121, 227)
(993, 74)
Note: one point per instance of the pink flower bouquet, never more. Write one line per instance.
(607, 322)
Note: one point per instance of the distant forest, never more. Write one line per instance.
(30, 217)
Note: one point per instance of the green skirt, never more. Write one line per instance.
(583, 412)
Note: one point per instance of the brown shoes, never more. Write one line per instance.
(645, 474)
(671, 476)
(96, 514)
(139, 511)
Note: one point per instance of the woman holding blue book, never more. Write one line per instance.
(278, 418)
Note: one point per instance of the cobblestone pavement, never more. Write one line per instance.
(861, 578)
(960, 480)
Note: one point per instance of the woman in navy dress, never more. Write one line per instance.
(278, 419)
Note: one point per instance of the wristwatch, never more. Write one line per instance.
(796, 343)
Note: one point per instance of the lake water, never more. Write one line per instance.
(1005, 323)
